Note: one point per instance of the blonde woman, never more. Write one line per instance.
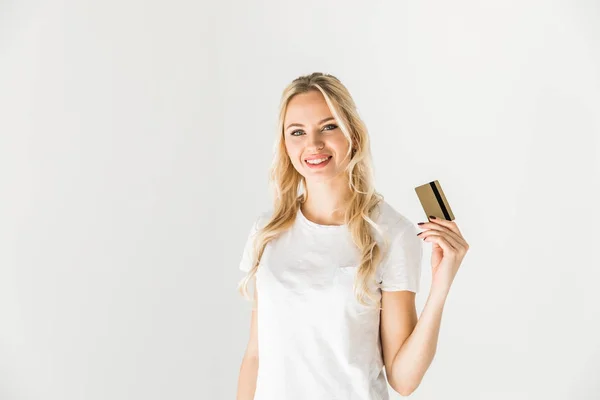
(334, 267)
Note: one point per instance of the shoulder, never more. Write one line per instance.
(393, 222)
(400, 267)
(262, 219)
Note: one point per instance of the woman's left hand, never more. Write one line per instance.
(449, 249)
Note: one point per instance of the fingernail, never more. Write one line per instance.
(420, 223)
(432, 217)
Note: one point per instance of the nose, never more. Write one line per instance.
(316, 142)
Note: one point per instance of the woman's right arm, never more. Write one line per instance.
(249, 367)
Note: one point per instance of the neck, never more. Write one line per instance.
(326, 202)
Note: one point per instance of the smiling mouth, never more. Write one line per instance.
(318, 161)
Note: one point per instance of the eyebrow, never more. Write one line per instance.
(320, 122)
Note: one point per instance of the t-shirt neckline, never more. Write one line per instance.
(314, 226)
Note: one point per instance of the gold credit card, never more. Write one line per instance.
(433, 201)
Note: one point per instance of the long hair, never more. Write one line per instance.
(285, 181)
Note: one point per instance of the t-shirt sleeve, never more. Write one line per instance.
(248, 252)
(401, 267)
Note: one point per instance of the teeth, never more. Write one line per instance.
(317, 161)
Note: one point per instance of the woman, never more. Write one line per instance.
(336, 267)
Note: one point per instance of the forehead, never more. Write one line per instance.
(307, 108)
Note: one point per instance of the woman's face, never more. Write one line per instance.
(312, 134)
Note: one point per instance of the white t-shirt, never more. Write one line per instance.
(315, 341)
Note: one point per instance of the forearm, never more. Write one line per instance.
(417, 352)
(247, 379)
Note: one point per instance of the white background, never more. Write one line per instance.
(135, 139)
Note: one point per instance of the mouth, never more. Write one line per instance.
(316, 163)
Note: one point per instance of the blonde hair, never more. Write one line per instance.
(286, 181)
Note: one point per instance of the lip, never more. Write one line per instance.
(317, 156)
(324, 164)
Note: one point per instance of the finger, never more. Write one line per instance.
(456, 245)
(443, 243)
(441, 228)
(448, 224)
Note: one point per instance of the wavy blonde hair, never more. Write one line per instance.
(286, 181)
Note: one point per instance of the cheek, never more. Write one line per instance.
(292, 150)
(341, 145)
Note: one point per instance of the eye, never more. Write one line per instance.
(331, 126)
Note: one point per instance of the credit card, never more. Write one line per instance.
(433, 201)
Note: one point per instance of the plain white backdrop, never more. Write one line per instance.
(135, 141)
